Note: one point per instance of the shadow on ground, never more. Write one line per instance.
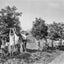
(31, 50)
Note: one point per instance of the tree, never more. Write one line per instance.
(9, 18)
(39, 29)
(61, 32)
(55, 31)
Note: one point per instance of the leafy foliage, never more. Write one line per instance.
(9, 18)
(55, 30)
(39, 29)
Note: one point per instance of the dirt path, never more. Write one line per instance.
(58, 60)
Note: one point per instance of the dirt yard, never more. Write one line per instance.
(31, 57)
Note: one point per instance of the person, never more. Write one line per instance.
(3, 47)
(18, 47)
(24, 40)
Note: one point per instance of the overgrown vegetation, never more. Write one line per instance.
(9, 18)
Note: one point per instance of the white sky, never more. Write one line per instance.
(49, 10)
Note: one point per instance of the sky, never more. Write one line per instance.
(49, 10)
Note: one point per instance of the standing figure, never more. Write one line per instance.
(11, 42)
(24, 40)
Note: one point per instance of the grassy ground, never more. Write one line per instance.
(31, 57)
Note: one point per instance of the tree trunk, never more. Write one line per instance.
(60, 43)
(46, 44)
(52, 43)
(24, 46)
(39, 45)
